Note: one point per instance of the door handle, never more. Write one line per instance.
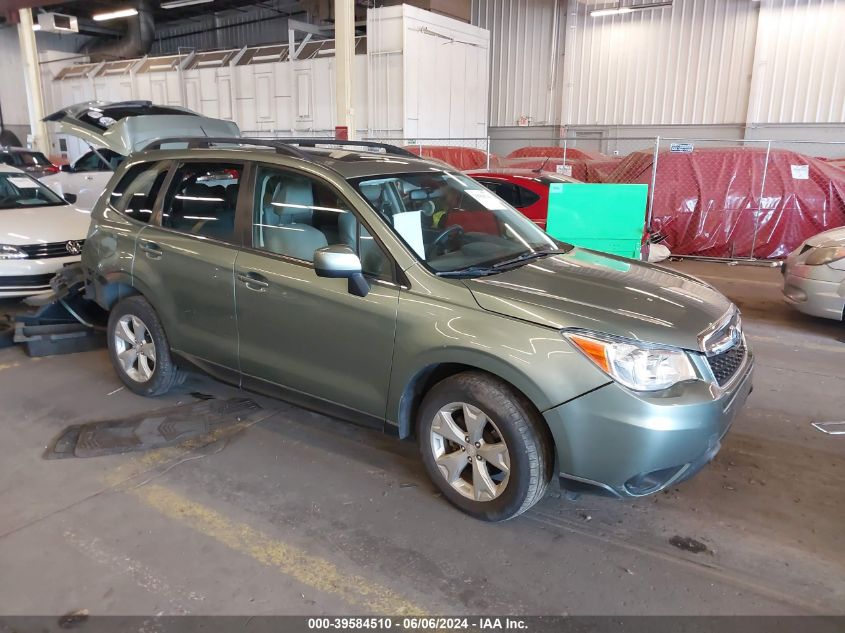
(151, 249)
(254, 281)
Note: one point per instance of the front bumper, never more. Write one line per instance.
(629, 444)
(815, 290)
(25, 277)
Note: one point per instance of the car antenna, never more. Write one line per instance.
(540, 168)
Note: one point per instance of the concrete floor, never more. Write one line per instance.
(308, 515)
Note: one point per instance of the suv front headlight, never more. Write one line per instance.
(638, 366)
(7, 251)
(825, 255)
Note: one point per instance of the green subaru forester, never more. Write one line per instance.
(361, 281)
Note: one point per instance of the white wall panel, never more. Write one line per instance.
(690, 63)
(800, 63)
(525, 53)
(428, 75)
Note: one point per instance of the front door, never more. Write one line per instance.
(184, 263)
(302, 334)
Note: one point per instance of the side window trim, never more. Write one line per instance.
(248, 235)
(161, 189)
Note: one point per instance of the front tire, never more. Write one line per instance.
(484, 446)
(139, 350)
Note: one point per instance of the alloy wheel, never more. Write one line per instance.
(134, 348)
(470, 452)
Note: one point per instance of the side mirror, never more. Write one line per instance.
(341, 262)
(70, 198)
(66, 168)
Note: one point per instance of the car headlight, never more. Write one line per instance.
(825, 255)
(638, 366)
(7, 251)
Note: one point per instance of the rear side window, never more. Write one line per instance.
(33, 158)
(527, 197)
(202, 199)
(137, 191)
(516, 196)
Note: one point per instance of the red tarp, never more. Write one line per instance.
(462, 158)
(705, 202)
(555, 152)
(582, 169)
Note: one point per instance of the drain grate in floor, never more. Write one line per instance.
(163, 427)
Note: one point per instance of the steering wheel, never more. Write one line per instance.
(441, 238)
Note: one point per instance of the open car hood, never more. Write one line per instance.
(128, 126)
(604, 293)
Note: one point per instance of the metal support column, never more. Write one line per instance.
(32, 77)
(344, 44)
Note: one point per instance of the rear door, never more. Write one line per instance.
(129, 208)
(306, 335)
(184, 263)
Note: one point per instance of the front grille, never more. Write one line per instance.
(725, 365)
(51, 249)
(25, 281)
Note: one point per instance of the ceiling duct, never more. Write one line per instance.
(137, 42)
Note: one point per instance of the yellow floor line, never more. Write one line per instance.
(312, 571)
(9, 366)
(315, 572)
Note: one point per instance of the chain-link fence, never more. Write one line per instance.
(742, 199)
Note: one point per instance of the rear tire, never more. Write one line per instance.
(139, 350)
(484, 446)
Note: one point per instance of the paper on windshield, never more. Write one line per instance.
(409, 226)
(23, 183)
(487, 199)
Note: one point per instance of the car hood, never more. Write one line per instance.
(40, 225)
(131, 133)
(834, 237)
(603, 293)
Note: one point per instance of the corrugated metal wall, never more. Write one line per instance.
(525, 52)
(685, 64)
(256, 25)
(800, 65)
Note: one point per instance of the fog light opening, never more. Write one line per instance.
(648, 483)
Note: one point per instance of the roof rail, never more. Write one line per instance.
(289, 146)
(194, 142)
(313, 142)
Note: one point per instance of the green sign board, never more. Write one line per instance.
(603, 217)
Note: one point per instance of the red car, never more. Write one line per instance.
(524, 189)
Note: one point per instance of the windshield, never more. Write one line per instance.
(19, 191)
(453, 223)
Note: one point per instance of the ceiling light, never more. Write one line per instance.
(113, 15)
(620, 10)
(175, 4)
(601, 12)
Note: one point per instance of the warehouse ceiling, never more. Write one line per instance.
(306, 10)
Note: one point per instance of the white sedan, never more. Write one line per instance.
(814, 276)
(40, 233)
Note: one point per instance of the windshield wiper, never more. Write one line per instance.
(469, 271)
(525, 257)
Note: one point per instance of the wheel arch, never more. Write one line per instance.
(111, 288)
(423, 380)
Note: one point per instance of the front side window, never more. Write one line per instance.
(137, 191)
(20, 191)
(451, 222)
(202, 199)
(294, 215)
